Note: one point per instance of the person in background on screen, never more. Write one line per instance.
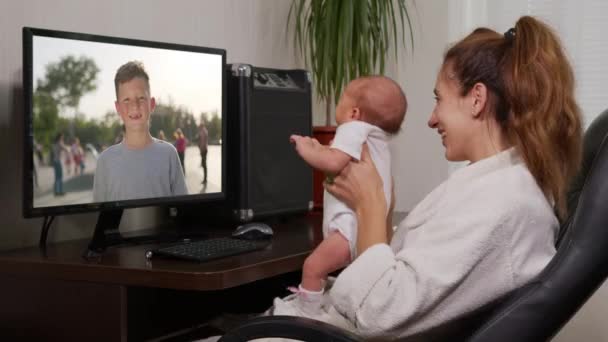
(180, 144)
(38, 152)
(57, 149)
(203, 142)
(139, 166)
(37, 161)
(68, 161)
(161, 135)
(77, 156)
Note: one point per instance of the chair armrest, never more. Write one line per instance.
(299, 328)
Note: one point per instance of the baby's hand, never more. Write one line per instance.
(304, 143)
(294, 138)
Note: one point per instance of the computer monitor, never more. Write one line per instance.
(114, 123)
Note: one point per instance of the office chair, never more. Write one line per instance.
(538, 310)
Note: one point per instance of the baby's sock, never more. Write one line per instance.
(309, 301)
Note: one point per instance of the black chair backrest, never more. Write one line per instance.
(537, 311)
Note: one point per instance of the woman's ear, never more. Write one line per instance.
(479, 94)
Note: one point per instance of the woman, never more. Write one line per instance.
(505, 103)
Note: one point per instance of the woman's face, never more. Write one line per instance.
(452, 117)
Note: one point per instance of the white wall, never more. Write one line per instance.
(418, 156)
(252, 32)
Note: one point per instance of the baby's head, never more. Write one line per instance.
(377, 100)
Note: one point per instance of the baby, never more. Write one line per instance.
(370, 110)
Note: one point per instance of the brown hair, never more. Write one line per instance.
(531, 92)
(129, 71)
(381, 101)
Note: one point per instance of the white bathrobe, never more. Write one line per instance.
(485, 231)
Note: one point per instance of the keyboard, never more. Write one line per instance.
(204, 250)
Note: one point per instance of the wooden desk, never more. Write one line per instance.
(57, 295)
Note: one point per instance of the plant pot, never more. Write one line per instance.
(324, 134)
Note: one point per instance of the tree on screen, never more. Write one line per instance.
(68, 80)
(46, 117)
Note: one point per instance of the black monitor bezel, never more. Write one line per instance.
(29, 210)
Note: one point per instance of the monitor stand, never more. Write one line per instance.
(107, 234)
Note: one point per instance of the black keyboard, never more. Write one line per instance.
(209, 249)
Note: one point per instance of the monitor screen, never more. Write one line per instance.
(118, 123)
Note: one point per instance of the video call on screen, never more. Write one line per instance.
(74, 116)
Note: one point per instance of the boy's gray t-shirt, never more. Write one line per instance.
(124, 174)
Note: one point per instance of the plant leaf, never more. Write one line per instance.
(345, 39)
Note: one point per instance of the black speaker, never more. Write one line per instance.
(265, 174)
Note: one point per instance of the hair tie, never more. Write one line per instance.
(510, 34)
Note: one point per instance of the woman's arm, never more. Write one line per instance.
(391, 210)
(389, 228)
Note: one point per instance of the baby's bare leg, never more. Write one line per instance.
(332, 254)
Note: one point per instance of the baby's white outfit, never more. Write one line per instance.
(350, 137)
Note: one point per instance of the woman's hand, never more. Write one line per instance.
(361, 188)
(358, 185)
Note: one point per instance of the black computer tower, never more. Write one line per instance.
(266, 177)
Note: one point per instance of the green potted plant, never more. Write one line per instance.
(342, 40)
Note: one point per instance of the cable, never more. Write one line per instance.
(44, 232)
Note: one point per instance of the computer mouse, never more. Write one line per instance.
(253, 231)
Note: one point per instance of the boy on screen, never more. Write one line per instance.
(139, 166)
